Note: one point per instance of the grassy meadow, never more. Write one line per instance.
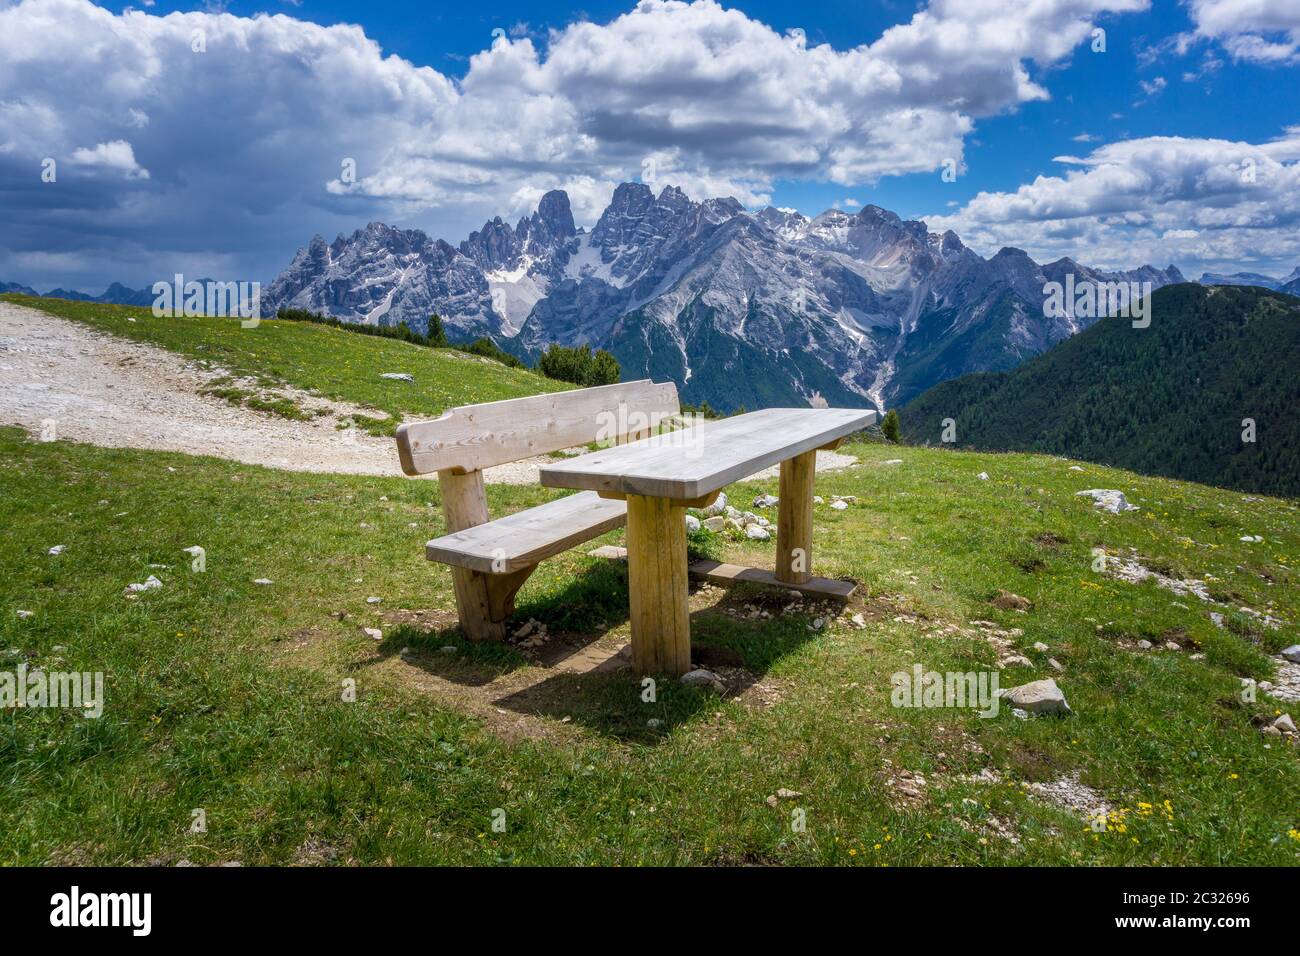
(306, 741)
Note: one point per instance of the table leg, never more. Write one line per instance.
(794, 519)
(658, 588)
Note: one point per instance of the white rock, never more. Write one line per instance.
(374, 633)
(374, 600)
(818, 500)
(262, 581)
(719, 507)
(983, 476)
(1285, 724)
(151, 583)
(1291, 653)
(1144, 644)
(692, 524)
(839, 505)
(653, 722)
(1251, 538)
(893, 461)
(756, 532)
(714, 524)
(398, 376)
(1075, 468)
(765, 501)
(1038, 697)
(58, 549)
(703, 678)
(1107, 499)
(1216, 618)
(26, 614)
(1041, 647)
(449, 648)
(1055, 664)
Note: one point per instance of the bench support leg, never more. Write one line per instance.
(502, 589)
(658, 586)
(795, 518)
(464, 505)
(474, 606)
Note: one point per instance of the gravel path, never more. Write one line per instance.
(62, 380)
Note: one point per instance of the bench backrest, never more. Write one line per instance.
(473, 437)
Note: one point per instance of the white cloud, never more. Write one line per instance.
(117, 156)
(1151, 88)
(250, 137)
(1206, 203)
(1261, 31)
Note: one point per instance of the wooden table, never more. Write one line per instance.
(661, 476)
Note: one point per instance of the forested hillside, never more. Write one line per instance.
(1177, 398)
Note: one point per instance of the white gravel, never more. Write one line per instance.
(102, 390)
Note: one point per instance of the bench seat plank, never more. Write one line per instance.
(526, 537)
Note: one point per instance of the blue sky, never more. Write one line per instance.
(1178, 143)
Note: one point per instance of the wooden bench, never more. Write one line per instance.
(491, 559)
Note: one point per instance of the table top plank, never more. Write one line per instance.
(700, 460)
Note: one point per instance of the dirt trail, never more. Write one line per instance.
(62, 380)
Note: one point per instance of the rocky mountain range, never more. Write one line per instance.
(738, 308)
(1289, 284)
(115, 294)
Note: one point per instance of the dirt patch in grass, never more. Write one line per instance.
(315, 852)
(1029, 564)
(1032, 764)
(426, 620)
(431, 675)
(1007, 601)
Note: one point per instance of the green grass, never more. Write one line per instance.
(333, 363)
(227, 696)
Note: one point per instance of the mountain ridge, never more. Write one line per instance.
(1118, 395)
(735, 307)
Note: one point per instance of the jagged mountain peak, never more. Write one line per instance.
(752, 308)
(554, 212)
